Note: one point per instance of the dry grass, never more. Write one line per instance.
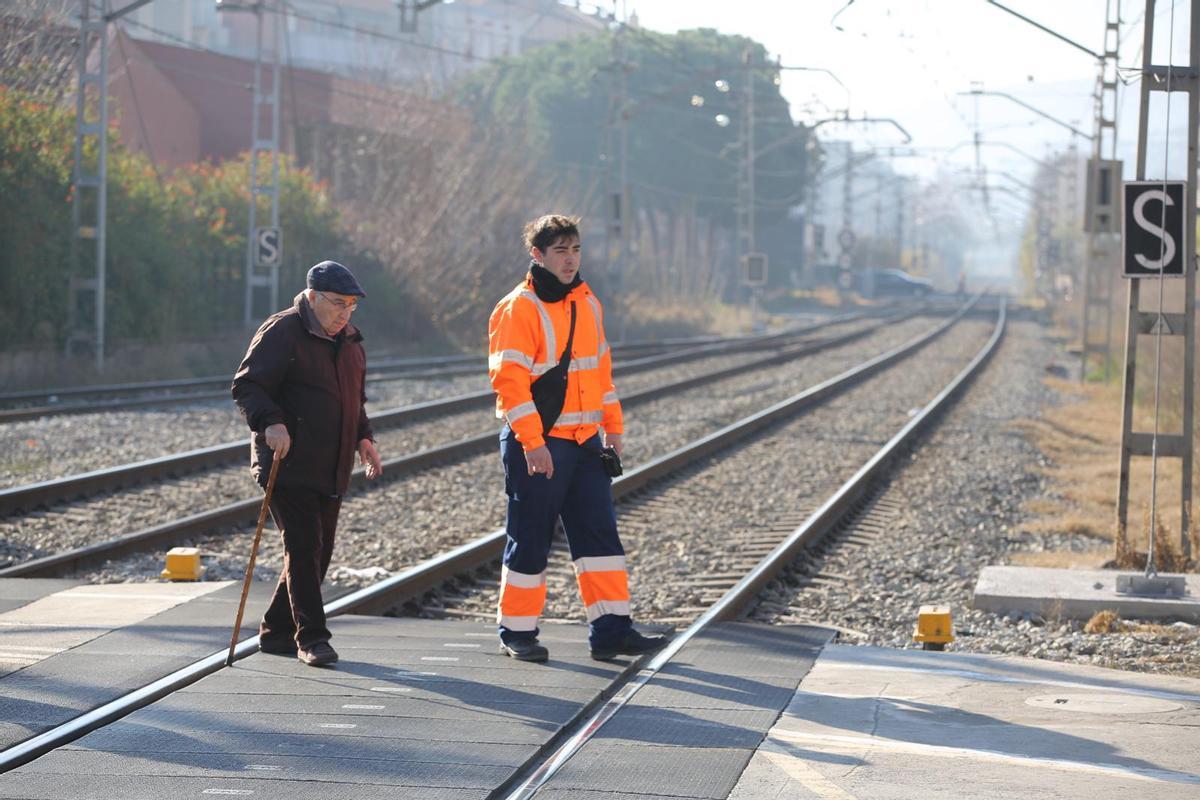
(827, 296)
(1108, 621)
(1081, 439)
(1105, 622)
(1063, 559)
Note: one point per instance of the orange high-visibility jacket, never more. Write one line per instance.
(526, 337)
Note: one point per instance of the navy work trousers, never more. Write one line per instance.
(308, 522)
(581, 494)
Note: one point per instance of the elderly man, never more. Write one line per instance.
(300, 388)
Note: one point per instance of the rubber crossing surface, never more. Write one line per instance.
(691, 731)
(415, 708)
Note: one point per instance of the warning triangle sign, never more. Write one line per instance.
(1161, 326)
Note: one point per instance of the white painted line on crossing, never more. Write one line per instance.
(477, 635)
(264, 767)
(171, 598)
(391, 689)
(362, 707)
(463, 645)
(228, 791)
(55, 626)
(343, 726)
(439, 658)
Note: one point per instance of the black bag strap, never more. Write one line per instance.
(564, 360)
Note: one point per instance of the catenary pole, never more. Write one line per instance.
(1166, 79)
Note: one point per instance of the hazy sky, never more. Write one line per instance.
(909, 59)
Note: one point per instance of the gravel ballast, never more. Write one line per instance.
(398, 523)
(962, 495)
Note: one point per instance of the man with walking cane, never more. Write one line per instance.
(301, 390)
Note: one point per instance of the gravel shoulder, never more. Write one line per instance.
(964, 493)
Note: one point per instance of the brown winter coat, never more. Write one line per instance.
(296, 374)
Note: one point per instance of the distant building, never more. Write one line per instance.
(181, 105)
(362, 38)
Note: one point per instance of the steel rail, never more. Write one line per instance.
(412, 363)
(690, 348)
(420, 578)
(736, 602)
(392, 369)
(45, 492)
(416, 580)
(243, 511)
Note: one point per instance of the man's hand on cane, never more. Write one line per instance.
(278, 439)
(367, 454)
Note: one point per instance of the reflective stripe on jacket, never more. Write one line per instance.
(525, 340)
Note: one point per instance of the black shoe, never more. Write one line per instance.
(276, 647)
(525, 650)
(633, 644)
(319, 654)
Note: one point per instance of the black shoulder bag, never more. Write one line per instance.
(550, 390)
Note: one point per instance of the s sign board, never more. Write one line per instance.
(1155, 236)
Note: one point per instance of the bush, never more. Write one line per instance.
(176, 244)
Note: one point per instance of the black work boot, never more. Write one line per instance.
(524, 650)
(632, 644)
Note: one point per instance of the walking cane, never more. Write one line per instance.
(262, 518)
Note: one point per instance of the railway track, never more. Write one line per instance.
(402, 367)
(696, 556)
(733, 602)
(26, 405)
(387, 516)
(44, 493)
(238, 512)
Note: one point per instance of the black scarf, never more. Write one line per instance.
(547, 286)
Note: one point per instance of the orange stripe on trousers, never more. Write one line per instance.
(516, 601)
(596, 586)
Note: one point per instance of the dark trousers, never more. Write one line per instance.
(308, 523)
(581, 494)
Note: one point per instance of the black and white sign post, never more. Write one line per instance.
(1155, 236)
(268, 247)
(1159, 217)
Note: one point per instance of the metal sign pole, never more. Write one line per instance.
(1099, 221)
(90, 185)
(1158, 78)
(258, 145)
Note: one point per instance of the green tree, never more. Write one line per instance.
(176, 245)
(679, 86)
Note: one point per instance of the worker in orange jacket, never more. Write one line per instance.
(550, 328)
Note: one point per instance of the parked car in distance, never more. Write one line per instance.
(892, 283)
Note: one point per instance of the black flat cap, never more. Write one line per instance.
(330, 276)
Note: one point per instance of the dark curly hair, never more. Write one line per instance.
(545, 231)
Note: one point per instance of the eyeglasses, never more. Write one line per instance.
(340, 305)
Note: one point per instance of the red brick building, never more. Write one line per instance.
(182, 105)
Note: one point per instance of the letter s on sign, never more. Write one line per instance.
(1139, 216)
